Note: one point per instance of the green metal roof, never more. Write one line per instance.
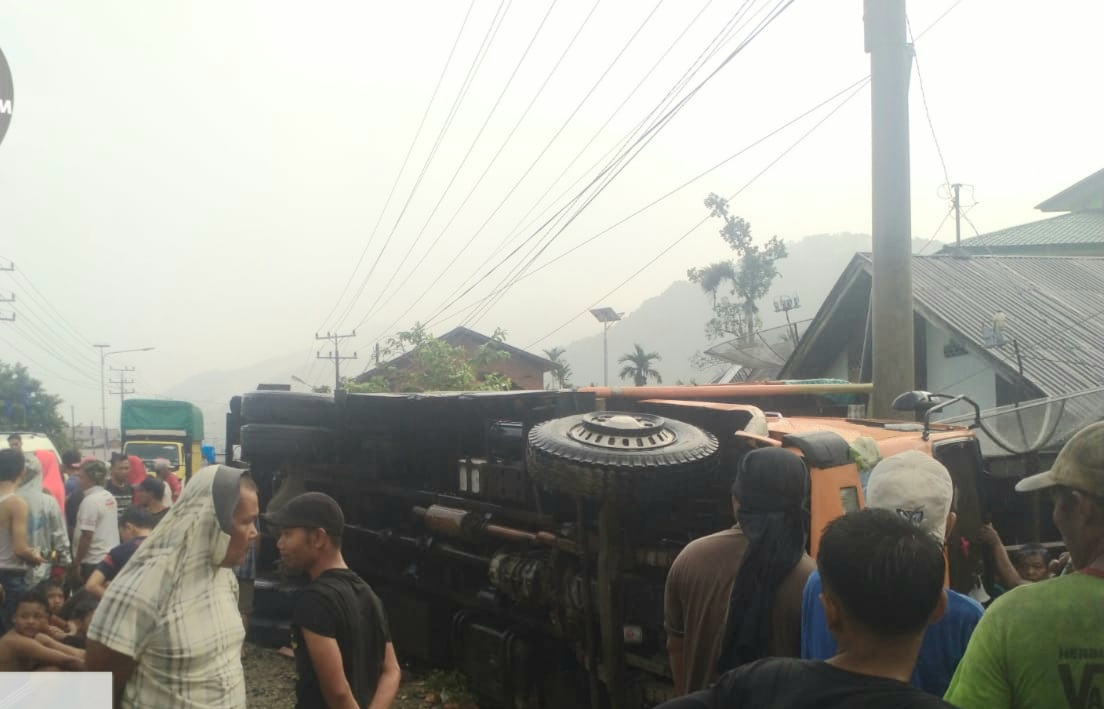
(1074, 229)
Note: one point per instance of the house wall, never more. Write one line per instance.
(523, 375)
(967, 374)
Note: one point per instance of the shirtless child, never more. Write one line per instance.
(26, 647)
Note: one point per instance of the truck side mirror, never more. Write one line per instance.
(915, 401)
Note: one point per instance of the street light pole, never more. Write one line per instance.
(103, 397)
(606, 316)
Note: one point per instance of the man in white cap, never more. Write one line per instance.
(1042, 645)
(919, 489)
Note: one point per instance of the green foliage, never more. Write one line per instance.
(638, 366)
(749, 276)
(562, 373)
(32, 408)
(451, 683)
(435, 365)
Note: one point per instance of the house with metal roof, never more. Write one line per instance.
(1000, 329)
(1077, 231)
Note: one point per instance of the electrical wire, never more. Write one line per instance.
(642, 141)
(536, 160)
(924, 101)
(476, 63)
(402, 169)
(936, 232)
(444, 193)
(464, 248)
(61, 377)
(694, 228)
(729, 30)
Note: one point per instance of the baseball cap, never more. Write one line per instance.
(312, 510)
(1080, 465)
(915, 486)
(160, 464)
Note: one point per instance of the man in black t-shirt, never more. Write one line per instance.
(882, 581)
(118, 485)
(343, 651)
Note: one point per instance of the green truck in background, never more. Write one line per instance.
(162, 428)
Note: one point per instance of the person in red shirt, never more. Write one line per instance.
(165, 473)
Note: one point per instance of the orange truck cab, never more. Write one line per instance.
(840, 453)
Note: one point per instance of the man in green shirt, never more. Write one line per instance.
(1042, 645)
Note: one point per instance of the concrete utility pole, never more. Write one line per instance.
(11, 317)
(335, 354)
(891, 293)
(958, 218)
(122, 384)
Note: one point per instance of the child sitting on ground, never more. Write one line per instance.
(54, 591)
(26, 647)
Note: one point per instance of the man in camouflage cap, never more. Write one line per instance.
(1042, 645)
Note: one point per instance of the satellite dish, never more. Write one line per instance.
(1034, 425)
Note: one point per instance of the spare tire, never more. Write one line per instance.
(289, 408)
(303, 443)
(617, 454)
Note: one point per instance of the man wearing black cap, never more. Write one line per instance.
(343, 650)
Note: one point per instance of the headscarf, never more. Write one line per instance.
(772, 486)
(174, 590)
(137, 471)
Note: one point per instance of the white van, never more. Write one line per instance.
(31, 442)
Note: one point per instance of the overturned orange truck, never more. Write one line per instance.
(524, 537)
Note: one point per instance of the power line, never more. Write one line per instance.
(402, 169)
(653, 131)
(694, 228)
(718, 41)
(924, 100)
(936, 232)
(622, 148)
(547, 146)
(642, 141)
(19, 276)
(476, 63)
(28, 360)
(444, 193)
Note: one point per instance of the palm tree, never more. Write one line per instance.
(638, 366)
(562, 372)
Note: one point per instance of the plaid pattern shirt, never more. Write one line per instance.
(176, 614)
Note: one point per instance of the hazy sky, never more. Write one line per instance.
(203, 176)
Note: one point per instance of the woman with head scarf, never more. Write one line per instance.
(168, 627)
(764, 610)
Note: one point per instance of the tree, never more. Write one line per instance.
(562, 372)
(638, 366)
(749, 276)
(435, 365)
(26, 406)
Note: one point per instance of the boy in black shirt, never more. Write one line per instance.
(343, 651)
(883, 584)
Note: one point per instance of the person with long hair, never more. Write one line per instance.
(764, 608)
(761, 561)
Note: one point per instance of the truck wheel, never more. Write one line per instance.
(289, 408)
(265, 441)
(613, 454)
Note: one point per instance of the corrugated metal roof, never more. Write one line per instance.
(1076, 228)
(1053, 306)
(1085, 194)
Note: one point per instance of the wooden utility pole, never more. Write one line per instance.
(894, 369)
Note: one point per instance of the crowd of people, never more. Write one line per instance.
(146, 586)
(753, 622)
